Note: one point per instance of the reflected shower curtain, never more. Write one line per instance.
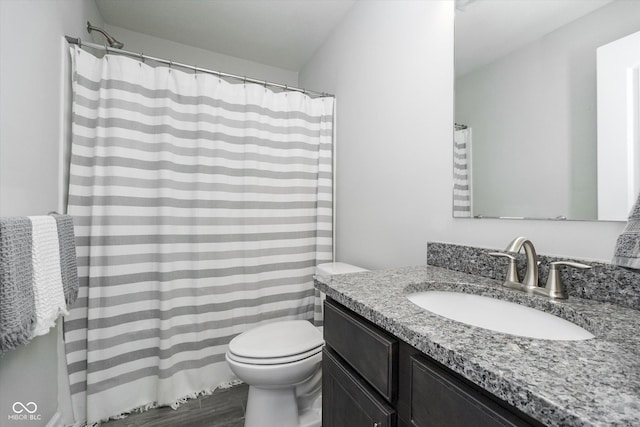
(201, 209)
(461, 173)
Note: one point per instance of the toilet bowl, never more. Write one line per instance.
(281, 363)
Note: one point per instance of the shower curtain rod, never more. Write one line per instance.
(196, 69)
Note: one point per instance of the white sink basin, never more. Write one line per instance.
(498, 315)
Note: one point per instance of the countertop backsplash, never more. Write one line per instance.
(603, 282)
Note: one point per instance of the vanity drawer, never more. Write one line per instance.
(366, 348)
(347, 401)
(438, 398)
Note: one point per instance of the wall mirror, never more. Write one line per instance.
(529, 139)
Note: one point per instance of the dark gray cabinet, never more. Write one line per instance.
(373, 379)
(347, 400)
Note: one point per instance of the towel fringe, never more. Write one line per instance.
(16, 338)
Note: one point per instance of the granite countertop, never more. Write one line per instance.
(593, 382)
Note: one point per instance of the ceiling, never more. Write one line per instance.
(280, 33)
(486, 30)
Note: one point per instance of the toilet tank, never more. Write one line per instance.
(331, 268)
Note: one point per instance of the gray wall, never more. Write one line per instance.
(161, 48)
(391, 66)
(535, 110)
(32, 64)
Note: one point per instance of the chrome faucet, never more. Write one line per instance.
(554, 288)
(530, 280)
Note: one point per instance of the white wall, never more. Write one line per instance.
(166, 49)
(390, 63)
(31, 69)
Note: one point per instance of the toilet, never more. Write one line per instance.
(281, 363)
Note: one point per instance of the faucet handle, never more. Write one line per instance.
(512, 271)
(554, 287)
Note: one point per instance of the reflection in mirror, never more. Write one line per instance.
(525, 144)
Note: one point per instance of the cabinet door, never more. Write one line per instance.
(369, 350)
(347, 401)
(438, 398)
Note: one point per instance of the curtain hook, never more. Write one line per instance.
(245, 81)
(170, 64)
(195, 71)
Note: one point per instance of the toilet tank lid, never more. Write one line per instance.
(331, 268)
(277, 339)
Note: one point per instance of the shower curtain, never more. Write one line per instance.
(201, 209)
(462, 206)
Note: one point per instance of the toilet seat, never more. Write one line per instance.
(278, 342)
(274, 360)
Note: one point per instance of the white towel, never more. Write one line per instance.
(47, 277)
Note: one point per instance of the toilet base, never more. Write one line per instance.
(278, 408)
(271, 408)
(312, 416)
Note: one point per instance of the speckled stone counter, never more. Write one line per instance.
(593, 382)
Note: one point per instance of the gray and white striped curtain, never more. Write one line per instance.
(201, 209)
(462, 206)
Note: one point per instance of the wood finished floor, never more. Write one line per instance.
(224, 408)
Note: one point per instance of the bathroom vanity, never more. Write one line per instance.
(372, 378)
(389, 362)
